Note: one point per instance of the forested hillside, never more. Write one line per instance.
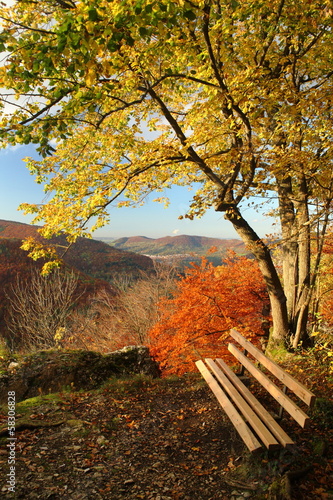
(175, 245)
(92, 257)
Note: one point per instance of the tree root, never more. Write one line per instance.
(240, 485)
(30, 424)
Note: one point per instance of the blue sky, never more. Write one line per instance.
(151, 220)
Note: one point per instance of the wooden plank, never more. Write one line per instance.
(282, 398)
(245, 433)
(252, 418)
(296, 387)
(265, 416)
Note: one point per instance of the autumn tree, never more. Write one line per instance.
(323, 297)
(236, 96)
(207, 302)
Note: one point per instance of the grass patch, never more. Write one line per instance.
(278, 354)
(132, 384)
(127, 384)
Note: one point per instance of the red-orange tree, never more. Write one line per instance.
(208, 302)
(323, 303)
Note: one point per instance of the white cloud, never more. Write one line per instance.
(10, 149)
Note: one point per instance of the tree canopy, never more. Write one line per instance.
(128, 97)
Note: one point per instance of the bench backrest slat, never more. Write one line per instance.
(266, 417)
(282, 398)
(296, 387)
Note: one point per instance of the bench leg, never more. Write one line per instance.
(284, 389)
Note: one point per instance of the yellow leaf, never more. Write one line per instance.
(90, 77)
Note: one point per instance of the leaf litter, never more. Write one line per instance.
(157, 439)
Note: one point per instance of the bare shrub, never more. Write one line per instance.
(39, 308)
(136, 308)
(91, 326)
(112, 322)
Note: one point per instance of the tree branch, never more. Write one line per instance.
(183, 139)
(28, 28)
(44, 110)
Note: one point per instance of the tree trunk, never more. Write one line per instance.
(289, 243)
(277, 297)
(303, 295)
(294, 217)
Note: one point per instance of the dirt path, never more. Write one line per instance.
(138, 439)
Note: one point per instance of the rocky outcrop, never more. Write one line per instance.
(55, 370)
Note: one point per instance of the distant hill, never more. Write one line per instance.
(14, 262)
(182, 245)
(92, 257)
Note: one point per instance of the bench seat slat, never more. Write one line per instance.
(282, 398)
(245, 433)
(257, 425)
(265, 416)
(296, 387)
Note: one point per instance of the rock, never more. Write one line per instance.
(50, 371)
(75, 423)
(101, 440)
(135, 359)
(12, 366)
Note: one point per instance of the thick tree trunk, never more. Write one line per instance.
(294, 217)
(277, 297)
(303, 297)
(289, 243)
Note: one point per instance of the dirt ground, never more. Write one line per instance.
(150, 439)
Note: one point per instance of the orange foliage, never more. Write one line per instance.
(325, 291)
(207, 303)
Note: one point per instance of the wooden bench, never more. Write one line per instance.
(252, 421)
